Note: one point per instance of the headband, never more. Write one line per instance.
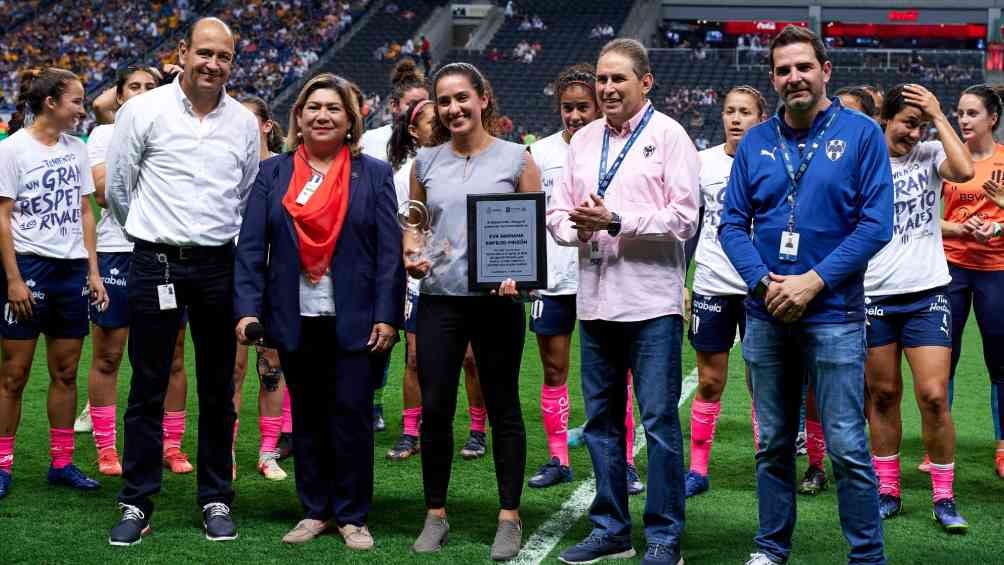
(418, 108)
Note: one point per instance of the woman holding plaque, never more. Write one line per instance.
(318, 263)
(469, 160)
(413, 129)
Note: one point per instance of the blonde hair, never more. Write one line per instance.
(344, 88)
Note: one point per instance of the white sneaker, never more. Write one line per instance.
(83, 425)
(761, 559)
(270, 469)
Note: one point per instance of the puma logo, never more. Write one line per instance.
(769, 153)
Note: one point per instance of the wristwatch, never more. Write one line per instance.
(614, 227)
(760, 292)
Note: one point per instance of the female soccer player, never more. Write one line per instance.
(110, 327)
(470, 160)
(974, 246)
(907, 303)
(47, 245)
(412, 130)
(274, 415)
(717, 306)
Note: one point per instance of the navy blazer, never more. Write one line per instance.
(366, 268)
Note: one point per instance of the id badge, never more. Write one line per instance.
(165, 294)
(789, 246)
(594, 253)
(309, 189)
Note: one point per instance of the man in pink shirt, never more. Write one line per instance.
(628, 201)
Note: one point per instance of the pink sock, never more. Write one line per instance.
(6, 453)
(887, 470)
(554, 412)
(629, 423)
(411, 417)
(103, 418)
(703, 418)
(815, 444)
(287, 413)
(61, 447)
(942, 477)
(174, 428)
(756, 429)
(478, 417)
(233, 445)
(270, 427)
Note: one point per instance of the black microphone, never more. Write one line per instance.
(254, 332)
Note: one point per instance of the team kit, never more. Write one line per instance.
(828, 239)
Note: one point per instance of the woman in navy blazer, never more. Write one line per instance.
(319, 267)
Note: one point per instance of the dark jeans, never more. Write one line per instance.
(983, 292)
(204, 285)
(833, 357)
(331, 391)
(651, 350)
(495, 328)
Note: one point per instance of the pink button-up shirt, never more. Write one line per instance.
(655, 192)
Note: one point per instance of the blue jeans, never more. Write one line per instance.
(651, 350)
(832, 356)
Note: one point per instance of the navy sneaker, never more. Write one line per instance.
(550, 474)
(476, 446)
(634, 484)
(131, 528)
(72, 477)
(948, 516)
(695, 483)
(889, 506)
(662, 554)
(5, 480)
(218, 523)
(595, 548)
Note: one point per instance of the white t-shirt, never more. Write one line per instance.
(111, 237)
(714, 275)
(46, 184)
(402, 181)
(562, 262)
(374, 142)
(914, 260)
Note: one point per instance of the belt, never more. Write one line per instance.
(186, 253)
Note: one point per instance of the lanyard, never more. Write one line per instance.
(606, 177)
(794, 177)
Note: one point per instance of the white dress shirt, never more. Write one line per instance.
(178, 180)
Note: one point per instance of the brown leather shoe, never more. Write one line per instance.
(356, 537)
(305, 531)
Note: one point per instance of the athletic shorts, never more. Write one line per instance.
(553, 315)
(713, 322)
(916, 319)
(114, 269)
(411, 304)
(59, 287)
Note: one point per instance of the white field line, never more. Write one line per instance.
(547, 536)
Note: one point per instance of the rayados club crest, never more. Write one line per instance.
(835, 149)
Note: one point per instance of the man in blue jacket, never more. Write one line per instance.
(809, 201)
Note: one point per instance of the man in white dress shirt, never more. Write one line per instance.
(180, 166)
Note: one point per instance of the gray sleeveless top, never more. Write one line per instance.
(448, 179)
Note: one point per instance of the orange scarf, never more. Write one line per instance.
(319, 221)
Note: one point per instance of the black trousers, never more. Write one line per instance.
(495, 327)
(204, 285)
(331, 391)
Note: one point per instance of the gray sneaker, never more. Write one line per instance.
(508, 540)
(433, 535)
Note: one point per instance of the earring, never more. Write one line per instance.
(348, 135)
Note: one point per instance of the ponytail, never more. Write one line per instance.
(34, 87)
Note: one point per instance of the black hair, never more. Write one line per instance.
(35, 86)
(405, 76)
(865, 98)
(440, 134)
(275, 135)
(402, 146)
(991, 98)
(582, 74)
(797, 34)
(123, 77)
